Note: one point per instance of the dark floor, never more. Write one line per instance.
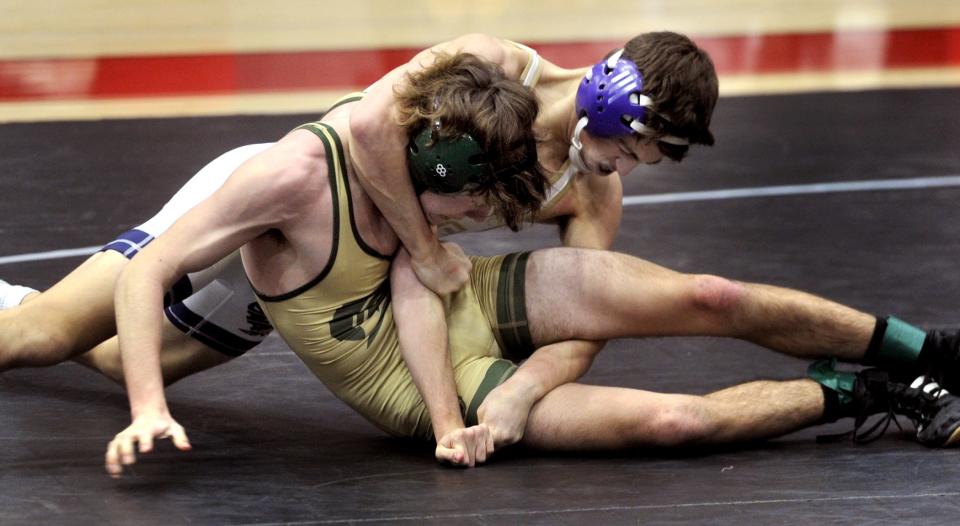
(271, 445)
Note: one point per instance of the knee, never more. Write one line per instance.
(32, 345)
(681, 425)
(716, 294)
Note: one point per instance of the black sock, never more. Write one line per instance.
(870, 357)
(831, 405)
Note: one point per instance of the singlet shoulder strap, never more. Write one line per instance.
(346, 99)
(531, 72)
(334, 157)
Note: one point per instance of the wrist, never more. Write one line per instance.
(522, 389)
(425, 248)
(148, 407)
(447, 423)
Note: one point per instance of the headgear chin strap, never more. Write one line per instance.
(455, 164)
(576, 147)
(610, 98)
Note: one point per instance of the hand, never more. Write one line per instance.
(142, 431)
(506, 413)
(465, 446)
(445, 270)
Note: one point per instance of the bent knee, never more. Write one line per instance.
(32, 346)
(716, 294)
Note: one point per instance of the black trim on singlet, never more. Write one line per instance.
(499, 372)
(513, 328)
(353, 222)
(345, 100)
(335, 196)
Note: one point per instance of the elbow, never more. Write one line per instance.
(138, 277)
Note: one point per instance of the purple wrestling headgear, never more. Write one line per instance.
(610, 100)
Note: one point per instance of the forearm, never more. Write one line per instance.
(549, 367)
(139, 302)
(393, 194)
(378, 155)
(422, 332)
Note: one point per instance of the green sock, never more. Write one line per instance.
(895, 346)
(837, 389)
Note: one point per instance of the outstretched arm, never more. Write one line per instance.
(261, 194)
(378, 154)
(506, 408)
(422, 331)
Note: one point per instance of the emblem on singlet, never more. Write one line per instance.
(347, 322)
(257, 321)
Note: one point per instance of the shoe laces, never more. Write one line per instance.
(914, 401)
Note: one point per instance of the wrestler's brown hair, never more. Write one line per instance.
(468, 94)
(680, 79)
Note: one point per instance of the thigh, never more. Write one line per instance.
(599, 295)
(70, 317)
(180, 356)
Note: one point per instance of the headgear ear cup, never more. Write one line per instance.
(611, 97)
(447, 165)
(455, 164)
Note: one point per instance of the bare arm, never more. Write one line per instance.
(378, 155)
(591, 218)
(506, 408)
(594, 215)
(422, 331)
(261, 194)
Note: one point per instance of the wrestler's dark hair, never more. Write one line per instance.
(469, 95)
(680, 79)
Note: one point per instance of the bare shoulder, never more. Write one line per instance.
(497, 50)
(290, 171)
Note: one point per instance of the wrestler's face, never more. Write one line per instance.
(604, 156)
(450, 207)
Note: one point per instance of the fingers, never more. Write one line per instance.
(180, 440)
(484, 443)
(120, 452)
(450, 455)
(474, 445)
(480, 450)
(490, 443)
(114, 458)
(122, 449)
(146, 442)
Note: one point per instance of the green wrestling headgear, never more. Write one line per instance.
(456, 164)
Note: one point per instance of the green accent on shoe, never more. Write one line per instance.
(826, 374)
(900, 346)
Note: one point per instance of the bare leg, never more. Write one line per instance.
(71, 317)
(577, 417)
(609, 295)
(180, 356)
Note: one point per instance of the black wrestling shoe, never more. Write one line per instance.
(937, 415)
(941, 358)
(934, 411)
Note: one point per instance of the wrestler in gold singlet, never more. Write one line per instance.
(341, 323)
